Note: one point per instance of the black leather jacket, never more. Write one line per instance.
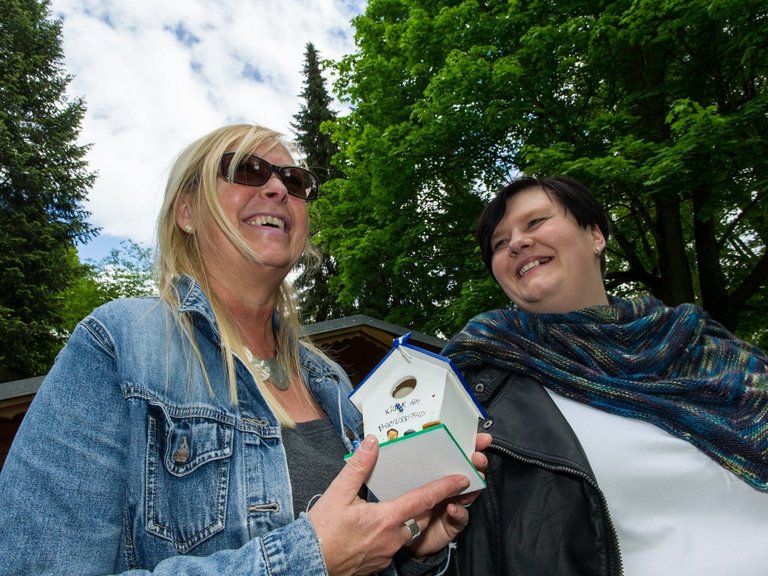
(542, 512)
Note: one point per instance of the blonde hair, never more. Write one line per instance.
(195, 174)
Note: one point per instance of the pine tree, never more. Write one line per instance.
(316, 301)
(316, 144)
(43, 181)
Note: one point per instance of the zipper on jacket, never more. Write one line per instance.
(590, 481)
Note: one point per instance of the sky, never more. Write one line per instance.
(156, 75)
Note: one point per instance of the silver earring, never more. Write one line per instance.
(188, 229)
(597, 250)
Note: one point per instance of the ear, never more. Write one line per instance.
(598, 240)
(183, 210)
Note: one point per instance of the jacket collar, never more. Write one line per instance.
(526, 421)
(192, 300)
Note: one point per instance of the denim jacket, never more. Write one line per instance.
(129, 460)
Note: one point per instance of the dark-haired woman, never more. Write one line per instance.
(629, 437)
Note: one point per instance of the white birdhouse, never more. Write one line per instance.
(425, 417)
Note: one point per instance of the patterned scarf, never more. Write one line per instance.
(673, 367)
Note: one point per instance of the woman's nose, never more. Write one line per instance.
(274, 188)
(518, 243)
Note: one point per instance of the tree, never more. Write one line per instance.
(43, 181)
(659, 106)
(314, 141)
(316, 301)
(125, 273)
(401, 222)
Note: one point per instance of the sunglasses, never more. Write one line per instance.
(255, 171)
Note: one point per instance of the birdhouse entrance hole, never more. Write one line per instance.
(404, 388)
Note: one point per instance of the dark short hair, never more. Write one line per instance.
(573, 195)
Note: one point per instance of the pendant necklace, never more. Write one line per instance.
(270, 369)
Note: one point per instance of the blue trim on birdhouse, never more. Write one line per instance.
(455, 370)
(402, 341)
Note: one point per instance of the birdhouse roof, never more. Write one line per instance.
(358, 394)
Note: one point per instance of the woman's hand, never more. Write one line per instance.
(359, 537)
(443, 523)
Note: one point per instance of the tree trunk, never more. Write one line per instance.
(676, 283)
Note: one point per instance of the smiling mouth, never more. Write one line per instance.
(531, 265)
(268, 221)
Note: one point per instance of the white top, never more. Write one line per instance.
(675, 510)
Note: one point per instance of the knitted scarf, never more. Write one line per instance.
(673, 367)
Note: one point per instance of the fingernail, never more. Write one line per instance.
(367, 444)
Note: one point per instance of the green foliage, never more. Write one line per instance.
(43, 181)
(316, 301)
(659, 106)
(125, 273)
(315, 142)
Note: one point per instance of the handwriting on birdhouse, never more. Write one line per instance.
(398, 421)
(400, 407)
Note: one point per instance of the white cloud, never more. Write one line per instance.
(156, 75)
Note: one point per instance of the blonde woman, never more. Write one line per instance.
(195, 433)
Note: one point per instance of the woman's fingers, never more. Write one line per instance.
(482, 441)
(351, 478)
(359, 537)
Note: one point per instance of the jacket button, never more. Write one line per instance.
(479, 387)
(182, 452)
(487, 424)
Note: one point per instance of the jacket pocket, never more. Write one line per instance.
(187, 478)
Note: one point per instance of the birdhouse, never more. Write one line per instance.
(425, 417)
